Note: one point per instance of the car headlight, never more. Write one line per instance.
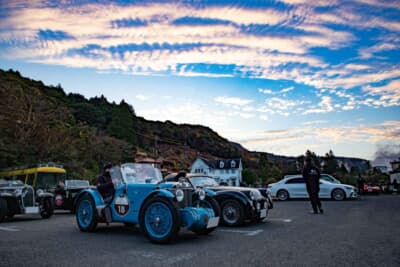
(39, 192)
(202, 194)
(179, 195)
(252, 195)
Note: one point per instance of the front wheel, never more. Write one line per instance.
(338, 194)
(86, 215)
(207, 203)
(47, 208)
(159, 220)
(232, 213)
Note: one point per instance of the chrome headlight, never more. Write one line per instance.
(179, 195)
(39, 192)
(202, 194)
(252, 195)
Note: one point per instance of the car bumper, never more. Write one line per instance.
(353, 195)
(259, 209)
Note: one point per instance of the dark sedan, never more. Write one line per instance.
(238, 204)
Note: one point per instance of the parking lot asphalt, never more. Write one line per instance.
(364, 232)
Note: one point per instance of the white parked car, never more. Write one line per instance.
(295, 187)
(324, 176)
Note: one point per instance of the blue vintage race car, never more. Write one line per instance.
(141, 197)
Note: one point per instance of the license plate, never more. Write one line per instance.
(263, 213)
(369, 190)
(213, 222)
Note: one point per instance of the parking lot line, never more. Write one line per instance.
(280, 220)
(244, 232)
(9, 229)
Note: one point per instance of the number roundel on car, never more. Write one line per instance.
(121, 205)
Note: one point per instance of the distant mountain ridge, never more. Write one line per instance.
(83, 132)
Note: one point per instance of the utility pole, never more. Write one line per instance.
(155, 147)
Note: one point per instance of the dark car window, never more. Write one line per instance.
(296, 181)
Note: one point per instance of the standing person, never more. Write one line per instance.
(311, 175)
(360, 183)
(105, 184)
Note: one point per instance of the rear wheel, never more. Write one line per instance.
(159, 220)
(86, 214)
(338, 194)
(283, 195)
(207, 203)
(232, 213)
(47, 208)
(3, 209)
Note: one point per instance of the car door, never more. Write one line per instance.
(296, 187)
(324, 189)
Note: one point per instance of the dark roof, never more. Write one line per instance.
(222, 163)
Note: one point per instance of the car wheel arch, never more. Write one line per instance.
(338, 189)
(282, 190)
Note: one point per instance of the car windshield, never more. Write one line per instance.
(77, 183)
(203, 181)
(49, 179)
(140, 173)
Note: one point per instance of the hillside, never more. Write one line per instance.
(40, 123)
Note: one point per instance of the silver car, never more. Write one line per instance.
(295, 187)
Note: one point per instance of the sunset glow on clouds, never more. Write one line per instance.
(244, 69)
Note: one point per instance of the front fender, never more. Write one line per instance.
(241, 197)
(94, 194)
(209, 192)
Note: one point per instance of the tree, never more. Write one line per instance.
(248, 176)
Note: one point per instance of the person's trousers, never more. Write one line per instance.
(314, 198)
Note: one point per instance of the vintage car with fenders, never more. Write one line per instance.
(66, 192)
(19, 198)
(238, 204)
(142, 197)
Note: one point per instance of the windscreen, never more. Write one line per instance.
(139, 173)
(49, 179)
(203, 181)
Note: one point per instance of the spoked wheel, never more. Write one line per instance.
(85, 215)
(338, 194)
(283, 195)
(159, 220)
(47, 208)
(207, 203)
(232, 213)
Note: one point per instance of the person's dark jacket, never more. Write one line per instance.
(311, 175)
(105, 185)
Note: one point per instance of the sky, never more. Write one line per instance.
(278, 76)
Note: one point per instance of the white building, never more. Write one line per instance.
(222, 170)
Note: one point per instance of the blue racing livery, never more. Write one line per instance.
(141, 197)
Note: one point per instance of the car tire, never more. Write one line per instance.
(161, 228)
(338, 194)
(282, 195)
(48, 208)
(232, 213)
(3, 209)
(210, 203)
(86, 214)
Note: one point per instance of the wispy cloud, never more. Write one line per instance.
(388, 131)
(233, 100)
